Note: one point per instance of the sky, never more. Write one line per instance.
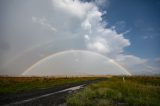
(122, 34)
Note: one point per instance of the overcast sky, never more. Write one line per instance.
(124, 31)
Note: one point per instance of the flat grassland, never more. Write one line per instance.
(113, 91)
(22, 84)
(119, 91)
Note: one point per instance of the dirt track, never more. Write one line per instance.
(42, 97)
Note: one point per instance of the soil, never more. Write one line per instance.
(57, 99)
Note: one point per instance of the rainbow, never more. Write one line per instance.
(76, 51)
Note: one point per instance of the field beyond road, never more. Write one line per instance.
(23, 84)
(119, 91)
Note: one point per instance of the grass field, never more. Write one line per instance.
(133, 91)
(21, 84)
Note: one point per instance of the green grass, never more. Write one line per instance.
(21, 84)
(134, 91)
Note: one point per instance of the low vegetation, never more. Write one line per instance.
(116, 91)
(21, 84)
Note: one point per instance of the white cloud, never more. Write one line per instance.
(78, 18)
(157, 60)
(148, 37)
(86, 25)
(43, 22)
(98, 46)
(129, 60)
(136, 65)
(102, 3)
(87, 37)
(80, 21)
(74, 7)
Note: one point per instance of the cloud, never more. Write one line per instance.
(129, 60)
(136, 65)
(43, 22)
(157, 60)
(98, 46)
(157, 65)
(72, 7)
(89, 25)
(86, 37)
(87, 22)
(148, 37)
(102, 3)
(67, 24)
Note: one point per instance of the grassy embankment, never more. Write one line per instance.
(20, 84)
(134, 91)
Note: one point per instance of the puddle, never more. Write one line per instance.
(71, 89)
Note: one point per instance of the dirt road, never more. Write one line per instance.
(44, 97)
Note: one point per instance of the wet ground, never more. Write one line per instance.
(44, 97)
